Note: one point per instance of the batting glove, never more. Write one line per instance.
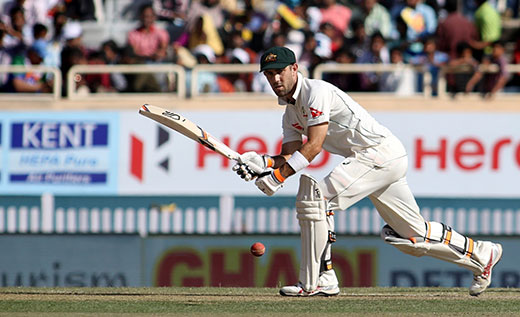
(252, 164)
(244, 172)
(270, 183)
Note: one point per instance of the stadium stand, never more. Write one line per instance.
(79, 30)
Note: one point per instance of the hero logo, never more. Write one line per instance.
(251, 143)
(52, 135)
(468, 154)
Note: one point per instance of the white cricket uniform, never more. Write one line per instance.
(375, 160)
(375, 165)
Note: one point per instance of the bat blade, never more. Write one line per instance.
(187, 128)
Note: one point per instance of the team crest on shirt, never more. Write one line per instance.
(270, 58)
(315, 112)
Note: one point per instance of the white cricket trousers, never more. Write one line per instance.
(380, 174)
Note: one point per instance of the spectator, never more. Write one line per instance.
(70, 56)
(35, 11)
(334, 38)
(72, 35)
(83, 10)
(464, 66)
(360, 42)
(336, 14)
(58, 25)
(207, 81)
(241, 82)
(112, 56)
(236, 40)
(200, 8)
(454, 29)
(514, 83)
(98, 82)
(33, 81)
(377, 18)
(204, 32)
(174, 12)
(57, 39)
(324, 41)
(290, 26)
(344, 81)
(40, 32)
(139, 82)
(400, 38)
(19, 34)
(171, 10)
(257, 23)
(432, 60)
(491, 82)
(378, 54)
(310, 12)
(420, 19)
(73, 53)
(148, 40)
(512, 10)
(310, 57)
(489, 26)
(400, 81)
(5, 57)
(278, 39)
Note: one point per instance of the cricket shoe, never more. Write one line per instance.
(298, 290)
(482, 281)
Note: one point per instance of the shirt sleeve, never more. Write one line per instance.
(319, 106)
(290, 133)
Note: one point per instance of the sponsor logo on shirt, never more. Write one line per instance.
(315, 112)
(297, 126)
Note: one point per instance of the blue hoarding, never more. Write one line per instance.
(60, 152)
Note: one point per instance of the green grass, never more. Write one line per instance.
(254, 301)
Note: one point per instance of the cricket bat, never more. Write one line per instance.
(187, 128)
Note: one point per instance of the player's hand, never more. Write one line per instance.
(270, 183)
(244, 172)
(259, 164)
(251, 164)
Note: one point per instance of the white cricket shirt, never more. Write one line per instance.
(351, 128)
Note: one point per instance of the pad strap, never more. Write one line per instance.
(440, 233)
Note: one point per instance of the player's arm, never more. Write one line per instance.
(287, 150)
(299, 159)
(316, 136)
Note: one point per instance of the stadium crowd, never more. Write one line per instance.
(427, 34)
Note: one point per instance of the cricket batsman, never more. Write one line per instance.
(375, 165)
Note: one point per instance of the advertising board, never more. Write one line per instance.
(457, 155)
(62, 152)
(69, 261)
(222, 261)
(450, 154)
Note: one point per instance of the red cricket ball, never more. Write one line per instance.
(257, 249)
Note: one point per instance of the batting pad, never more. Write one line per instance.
(444, 243)
(311, 214)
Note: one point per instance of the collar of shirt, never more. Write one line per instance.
(299, 81)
